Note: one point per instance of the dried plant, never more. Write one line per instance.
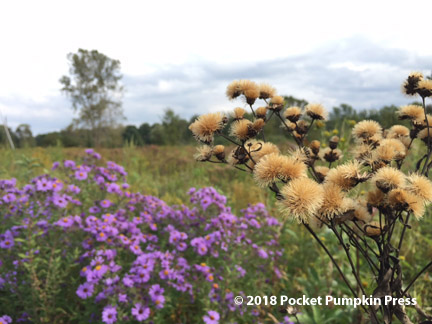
(313, 186)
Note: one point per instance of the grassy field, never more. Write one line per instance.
(168, 173)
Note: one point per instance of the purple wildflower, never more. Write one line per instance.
(80, 175)
(65, 222)
(105, 203)
(212, 317)
(140, 312)
(109, 315)
(5, 319)
(43, 185)
(85, 290)
(60, 201)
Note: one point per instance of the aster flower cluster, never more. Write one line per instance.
(81, 236)
(363, 196)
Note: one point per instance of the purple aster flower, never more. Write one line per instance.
(122, 298)
(74, 189)
(105, 203)
(80, 175)
(43, 185)
(85, 290)
(140, 312)
(89, 151)
(60, 201)
(113, 188)
(212, 317)
(69, 164)
(5, 319)
(109, 315)
(94, 209)
(97, 156)
(262, 253)
(9, 198)
(65, 222)
(55, 165)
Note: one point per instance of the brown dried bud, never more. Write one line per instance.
(219, 152)
(372, 229)
(261, 112)
(334, 141)
(315, 146)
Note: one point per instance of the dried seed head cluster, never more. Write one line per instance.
(306, 185)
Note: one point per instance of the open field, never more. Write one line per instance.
(169, 172)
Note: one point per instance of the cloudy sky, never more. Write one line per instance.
(182, 54)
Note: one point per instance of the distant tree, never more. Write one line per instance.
(131, 134)
(175, 128)
(25, 136)
(145, 133)
(95, 91)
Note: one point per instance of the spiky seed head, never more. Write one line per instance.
(409, 87)
(401, 199)
(388, 178)
(266, 91)
(390, 149)
(316, 111)
(333, 201)
(321, 172)
(274, 167)
(303, 198)
(219, 152)
(241, 129)
(205, 126)
(361, 213)
(426, 135)
(347, 175)
(293, 114)
(261, 112)
(375, 198)
(238, 113)
(204, 153)
(366, 129)
(424, 88)
(420, 186)
(258, 125)
(261, 149)
(234, 90)
(329, 155)
(276, 103)
(411, 112)
(251, 95)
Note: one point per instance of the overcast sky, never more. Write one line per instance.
(182, 54)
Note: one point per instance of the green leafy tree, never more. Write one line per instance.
(131, 135)
(95, 91)
(25, 136)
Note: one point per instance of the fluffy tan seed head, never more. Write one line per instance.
(424, 88)
(329, 155)
(346, 175)
(425, 135)
(420, 186)
(401, 199)
(266, 91)
(321, 172)
(274, 167)
(333, 201)
(401, 133)
(258, 125)
(261, 112)
(293, 114)
(409, 87)
(276, 103)
(261, 149)
(361, 213)
(316, 111)
(390, 149)
(302, 199)
(411, 112)
(375, 198)
(219, 150)
(238, 113)
(206, 125)
(241, 129)
(234, 90)
(366, 129)
(204, 153)
(388, 178)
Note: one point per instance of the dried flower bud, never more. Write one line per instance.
(261, 113)
(316, 111)
(315, 146)
(424, 88)
(219, 152)
(372, 229)
(238, 113)
(334, 141)
(302, 127)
